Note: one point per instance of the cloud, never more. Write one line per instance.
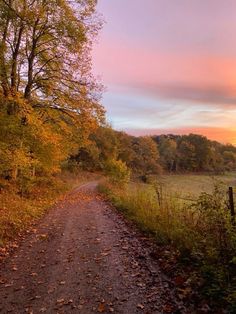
(139, 109)
(220, 96)
(200, 78)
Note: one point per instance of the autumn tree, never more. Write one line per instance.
(229, 159)
(47, 92)
(202, 148)
(168, 152)
(187, 156)
(125, 149)
(146, 156)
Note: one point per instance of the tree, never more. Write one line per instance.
(146, 156)
(168, 152)
(229, 158)
(46, 88)
(125, 151)
(44, 49)
(202, 148)
(117, 171)
(187, 156)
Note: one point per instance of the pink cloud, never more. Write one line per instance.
(202, 78)
(119, 63)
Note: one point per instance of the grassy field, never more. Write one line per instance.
(190, 185)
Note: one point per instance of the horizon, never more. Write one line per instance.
(174, 133)
(168, 67)
(152, 133)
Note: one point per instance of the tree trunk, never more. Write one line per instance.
(29, 85)
(14, 61)
(33, 172)
(3, 68)
(15, 173)
(28, 88)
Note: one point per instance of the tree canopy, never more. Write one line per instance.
(49, 101)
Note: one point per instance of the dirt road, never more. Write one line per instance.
(84, 258)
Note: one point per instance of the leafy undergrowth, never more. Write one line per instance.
(198, 237)
(20, 207)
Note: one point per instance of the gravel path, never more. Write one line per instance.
(83, 257)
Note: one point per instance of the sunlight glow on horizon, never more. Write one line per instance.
(224, 136)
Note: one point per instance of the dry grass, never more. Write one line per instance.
(18, 211)
(202, 232)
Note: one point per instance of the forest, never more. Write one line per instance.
(149, 155)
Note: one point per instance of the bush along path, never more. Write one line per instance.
(83, 257)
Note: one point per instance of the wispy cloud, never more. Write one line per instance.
(199, 78)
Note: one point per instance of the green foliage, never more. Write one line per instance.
(146, 156)
(168, 152)
(187, 156)
(145, 159)
(194, 153)
(117, 171)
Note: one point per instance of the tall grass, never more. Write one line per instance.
(202, 231)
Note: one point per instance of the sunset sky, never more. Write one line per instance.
(169, 66)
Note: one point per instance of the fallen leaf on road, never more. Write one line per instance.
(101, 308)
(140, 306)
(62, 282)
(43, 237)
(105, 254)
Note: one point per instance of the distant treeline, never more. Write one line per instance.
(147, 155)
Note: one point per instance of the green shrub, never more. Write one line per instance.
(117, 171)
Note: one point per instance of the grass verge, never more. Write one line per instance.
(18, 210)
(201, 233)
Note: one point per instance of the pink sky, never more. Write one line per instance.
(169, 66)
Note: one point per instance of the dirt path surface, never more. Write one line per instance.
(84, 258)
